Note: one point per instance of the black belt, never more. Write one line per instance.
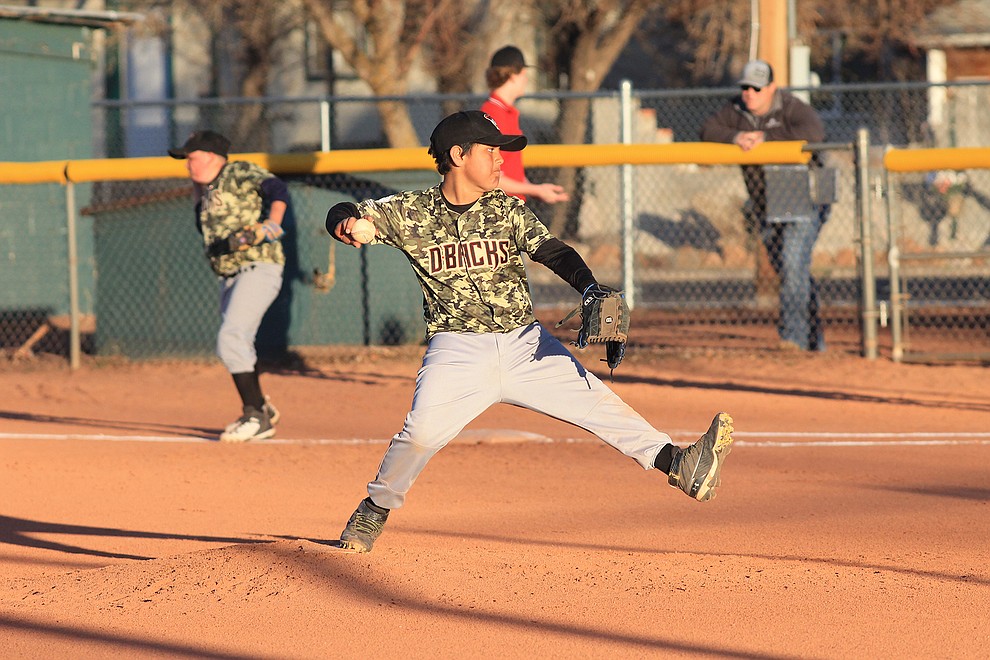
(242, 269)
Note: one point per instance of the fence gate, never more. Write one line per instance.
(939, 253)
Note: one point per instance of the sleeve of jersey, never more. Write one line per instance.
(806, 124)
(565, 262)
(529, 231)
(273, 189)
(494, 111)
(250, 174)
(337, 213)
(387, 215)
(720, 127)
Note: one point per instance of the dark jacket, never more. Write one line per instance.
(789, 118)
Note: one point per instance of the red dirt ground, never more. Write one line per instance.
(852, 521)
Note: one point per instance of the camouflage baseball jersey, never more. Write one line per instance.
(470, 264)
(231, 203)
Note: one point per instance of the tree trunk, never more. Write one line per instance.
(397, 124)
(252, 126)
(573, 128)
(601, 35)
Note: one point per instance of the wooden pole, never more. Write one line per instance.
(773, 46)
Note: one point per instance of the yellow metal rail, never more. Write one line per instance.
(416, 158)
(925, 160)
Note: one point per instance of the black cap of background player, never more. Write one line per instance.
(202, 141)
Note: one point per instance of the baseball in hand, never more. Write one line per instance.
(363, 230)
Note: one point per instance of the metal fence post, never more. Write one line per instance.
(324, 125)
(626, 197)
(869, 285)
(70, 215)
(894, 264)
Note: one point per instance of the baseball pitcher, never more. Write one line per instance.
(464, 240)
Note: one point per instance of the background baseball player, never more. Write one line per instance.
(464, 239)
(239, 211)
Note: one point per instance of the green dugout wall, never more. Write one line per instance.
(45, 94)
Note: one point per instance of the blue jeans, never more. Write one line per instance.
(789, 246)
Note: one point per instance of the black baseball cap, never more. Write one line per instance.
(472, 127)
(202, 141)
(508, 56)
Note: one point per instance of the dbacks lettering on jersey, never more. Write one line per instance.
(473, 254)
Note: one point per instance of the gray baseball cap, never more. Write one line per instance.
(756, 73)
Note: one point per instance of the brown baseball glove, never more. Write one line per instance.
(604, 320)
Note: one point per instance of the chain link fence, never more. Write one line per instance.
(696, 262)
(899, 114)
(34, 300)
(156, 295)
(940, 264)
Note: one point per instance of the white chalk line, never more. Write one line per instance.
(780, 439)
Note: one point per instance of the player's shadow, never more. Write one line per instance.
(693, 230)
(178, 430)
(273, 334)
(475, 537)
(834, 395)
(950, 491)
(359, 587)
(22, 532)
(151, 645)
(118, 641)
(293, 364)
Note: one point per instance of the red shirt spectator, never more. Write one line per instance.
(507, 77)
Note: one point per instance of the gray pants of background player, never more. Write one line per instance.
(464, 374)
(244, 299)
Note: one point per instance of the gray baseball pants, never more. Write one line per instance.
(463, 374)
(244, 299)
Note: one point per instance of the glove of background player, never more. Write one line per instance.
(270, 230)
(245, 238)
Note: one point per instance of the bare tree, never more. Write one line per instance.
(395, 32)
(877, 31)
(719, 35)
(246, 38)
(458, 48)
(873, 34)
(261, 28)
(587, 38)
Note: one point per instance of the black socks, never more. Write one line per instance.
(249, 388)
(664, 458)
(374, 507)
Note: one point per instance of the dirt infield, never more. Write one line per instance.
(852, 521)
